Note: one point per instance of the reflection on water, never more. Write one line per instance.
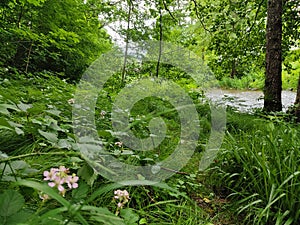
(246, 101)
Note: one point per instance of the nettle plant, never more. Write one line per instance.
(44, 127)
(75, 208)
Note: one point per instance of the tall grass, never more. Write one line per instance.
(260, 167)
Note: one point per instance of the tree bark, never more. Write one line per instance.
(273, 80)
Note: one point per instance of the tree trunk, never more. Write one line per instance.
(297, 102)
(273, 82)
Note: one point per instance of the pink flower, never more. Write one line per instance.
(50, 175)
(51, 184)
(63, 169)
(58, 177)
(122, 196)
(72, 181)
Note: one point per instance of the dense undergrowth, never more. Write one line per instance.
(254, 180)
(256, 78)
(255, 81)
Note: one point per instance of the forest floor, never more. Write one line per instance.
(253, 180)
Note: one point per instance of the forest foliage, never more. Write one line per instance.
(66, 37)
(47, 45)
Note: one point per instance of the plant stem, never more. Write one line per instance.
(38, 153)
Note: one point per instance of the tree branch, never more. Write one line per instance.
(256, 14)
(199, 16)
(167, 9)
(160, 41)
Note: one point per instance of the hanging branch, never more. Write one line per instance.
(167, 9)
(160, 41)
(256, 14)
(199, 16)
(127, 40)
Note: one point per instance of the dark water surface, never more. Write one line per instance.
(247, 101)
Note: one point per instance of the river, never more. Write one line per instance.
(246, 101)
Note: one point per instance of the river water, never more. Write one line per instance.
(246, 101)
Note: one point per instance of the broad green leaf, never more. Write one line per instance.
(18, 218)
(54, 112)
(88, 174)
(143, 221)
(81, 191)
(22, 106)
(19, 131)
(3, 156)
(4, 124)
(9, 106)
(3, 110)
(10, 203)
(130, 217)
(18, 165)
(49, 136)
(64, 143)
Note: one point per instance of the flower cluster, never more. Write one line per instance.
(119, 144)
(59, 178)
(122, 197)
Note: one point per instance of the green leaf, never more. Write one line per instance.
(103, 215)
(64, 143)
(4, 124)
(49, 136)
(24, 107)
(53, 216)
(19, 131)
(10, 203)
(103, 190)
(3, 156)
(130, 217)
(18, 218)
(54, 195)
(54, 112)
(88, 174)
(143, 221)
(81, 191)
(45, 189)
(3, 109)
(19, 165)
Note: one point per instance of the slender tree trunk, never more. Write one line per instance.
(28, 58)
(273, 82)
(160, 41)
(127, 41)
(297, 102)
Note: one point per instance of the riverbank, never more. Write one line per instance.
(256, 81)
(247, 100)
